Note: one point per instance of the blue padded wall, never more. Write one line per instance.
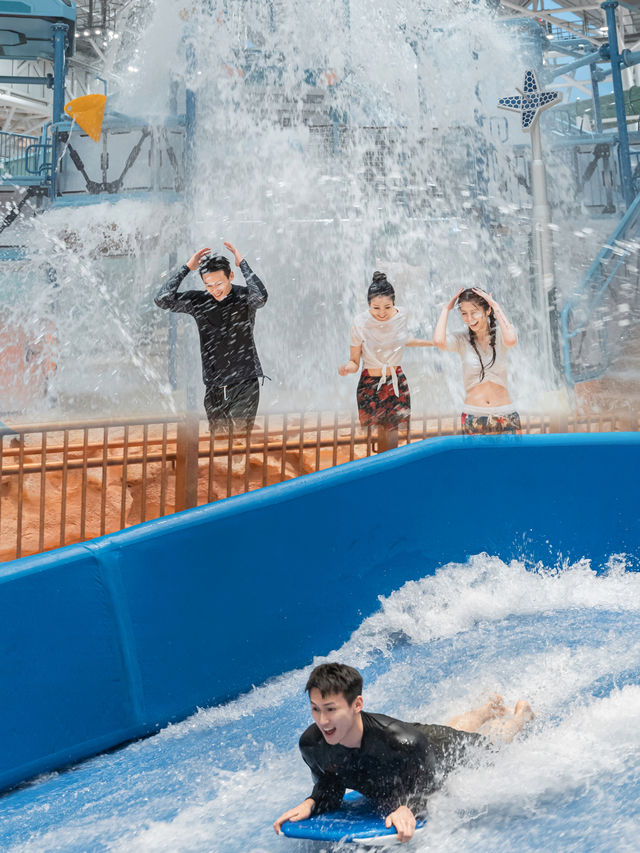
(109, 640)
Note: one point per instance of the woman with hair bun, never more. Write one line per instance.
(378, 337)
(484, 353)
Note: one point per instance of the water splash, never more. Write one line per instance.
(330, 140)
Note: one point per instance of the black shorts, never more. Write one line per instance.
(232, 405)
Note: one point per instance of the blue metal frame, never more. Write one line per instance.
(36, 81)
(610, 54)
(37, 21)
(31, 21)
(593, 280)
(616, 60)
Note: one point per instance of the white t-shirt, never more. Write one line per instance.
(382, 342)
(471, 371)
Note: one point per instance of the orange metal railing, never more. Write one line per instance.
(62, 483)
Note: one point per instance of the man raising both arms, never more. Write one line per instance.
(225, 315)
(394, 764)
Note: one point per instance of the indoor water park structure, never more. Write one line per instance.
(166, 588)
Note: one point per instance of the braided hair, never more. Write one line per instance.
(380, 286)
(470, 296)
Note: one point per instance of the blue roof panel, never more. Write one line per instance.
(26, 27)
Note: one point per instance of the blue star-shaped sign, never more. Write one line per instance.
(531, 101)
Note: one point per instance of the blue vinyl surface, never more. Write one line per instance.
(110, 640)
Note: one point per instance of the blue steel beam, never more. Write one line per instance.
(590, 59)
(36, 81)
(59, 47)
(595, 88)
(616, 74)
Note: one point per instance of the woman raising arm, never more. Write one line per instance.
(483, 349)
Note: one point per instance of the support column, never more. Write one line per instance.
(187, 463)
(59, 49)
(543, 246)
(190, 120)
(60, 32)
(595, 89)
(621, 115)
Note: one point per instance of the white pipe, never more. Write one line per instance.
(541, 232)
(25, 104)
(9, 119)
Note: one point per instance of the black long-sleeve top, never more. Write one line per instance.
(227, 346)
(393, 766)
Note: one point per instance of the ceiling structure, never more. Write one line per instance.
(99, 21)
(582, 18)
(25, 108)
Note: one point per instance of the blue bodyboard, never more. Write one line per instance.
(356, 821)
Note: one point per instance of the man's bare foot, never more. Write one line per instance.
(523, 709)
(504, 729)
(495, 707)
(471, 721)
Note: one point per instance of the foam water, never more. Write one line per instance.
(565, 638)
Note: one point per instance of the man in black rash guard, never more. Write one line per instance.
(225, 315)
(395, 764)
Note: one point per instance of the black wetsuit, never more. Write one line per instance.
(230, 364)
(396, 763)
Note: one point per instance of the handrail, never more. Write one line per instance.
(598, 282)
(42, 163)
(23, 155)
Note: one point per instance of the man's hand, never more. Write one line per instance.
(301, 812)
(235, 252)
(404, 821)
(194, 262)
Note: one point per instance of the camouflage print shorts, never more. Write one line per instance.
(491, 424)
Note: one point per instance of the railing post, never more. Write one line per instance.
(187, 462)
(558, 422)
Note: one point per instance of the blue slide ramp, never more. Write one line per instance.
(109, 640)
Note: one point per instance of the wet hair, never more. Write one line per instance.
(213, 263)
(331, 678)
(380, 286)
(470, 296)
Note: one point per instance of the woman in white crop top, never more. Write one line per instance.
(484, 353)
(378, 337)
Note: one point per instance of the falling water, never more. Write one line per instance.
(331, 139)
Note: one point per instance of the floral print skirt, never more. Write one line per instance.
(381, 407)
(491, 424)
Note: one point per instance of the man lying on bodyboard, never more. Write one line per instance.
(394, 764)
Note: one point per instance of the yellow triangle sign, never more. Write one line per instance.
(88, 112)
